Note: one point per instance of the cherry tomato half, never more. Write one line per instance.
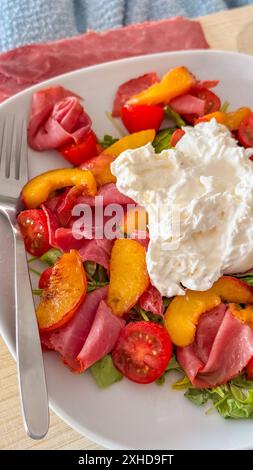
(140, 117)
(213, 102)
(176, 136)
(76, 154)
(245, 131)
(142, 352)
(34, 229)
(44, 278)
(249, 369)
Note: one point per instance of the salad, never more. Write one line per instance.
(96, 305)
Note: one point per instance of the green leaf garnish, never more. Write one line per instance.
(162, 140)
(104, 372)
(175, 116)
(224, 107)
(232, 400)
(51, 256)
(90, 268)
(107, 141)
(37, 291)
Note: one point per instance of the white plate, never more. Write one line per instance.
(128, 415)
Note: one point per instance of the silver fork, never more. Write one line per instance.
(32, 383)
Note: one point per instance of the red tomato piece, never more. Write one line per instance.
(176, 136)
(34, 229)
(142, 352)
(245, 131)
(249, 369)
(44, 278)
(76, 154)
(190, 118)
(140, 117)
(213, 102)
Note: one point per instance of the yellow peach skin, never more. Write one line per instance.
(176, 82)
(183, 313)
(232, 119)
(100, 166)
(37, 190)
(128, 275)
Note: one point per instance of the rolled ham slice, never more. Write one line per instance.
(57, 117)
(222, 347)
(102, 337)
(69, 339)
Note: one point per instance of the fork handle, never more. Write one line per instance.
(32, 383)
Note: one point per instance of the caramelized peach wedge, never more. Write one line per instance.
(64, 294)
(128, 275)
(100, 166)
(134, 219)
(183, 313)
(38, 189)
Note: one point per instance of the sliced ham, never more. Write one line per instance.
(188, 104)
(102, 337)
(130, 88)
(110, 194)
(98, 251)
(222, 347)
(207, 83)
(56, 119)
(52, 224)
(27, 65)
(69, 339)
(151, 300)
(65, 240)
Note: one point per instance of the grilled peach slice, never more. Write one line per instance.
(65, 292)
(134, 219)
(244, 314)
(37, 190)
(183, 313)
(100, 166)
(128, 275)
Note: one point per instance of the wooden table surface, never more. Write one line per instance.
(223, 31)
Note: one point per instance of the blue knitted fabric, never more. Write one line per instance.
(27, 21)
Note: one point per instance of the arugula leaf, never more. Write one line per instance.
(37, 291)
(104, 372)
(100, 274)
(162, 140)
(224, 107)
(147, 316)
(90, 268)
(93, 285)
(197, 396)
(51, 256)
(166, 301)
(172, 365)
(171, 114)
(182, 383)
(232, 400)
(97, 276)
(161, 380)
(107, 141)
